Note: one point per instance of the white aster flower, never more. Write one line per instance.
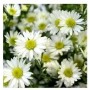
(82, 38)
(13, 10)
(12, 23)
(25, 27)
(78, 59)
(59, 44)
(52, 68)
(47, 57)
(12, 37)
(71, 22)
(17, 73)
(41, 25)
(42, 14)
(30, 18)
(29, 44)
(69, 73)
(55, 20)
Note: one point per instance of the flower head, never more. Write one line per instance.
(29, 44)
(11, 38)
(69, 73)
(17, 73)
(71, 22)
(13, 10)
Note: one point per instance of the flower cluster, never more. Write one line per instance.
(45, 47)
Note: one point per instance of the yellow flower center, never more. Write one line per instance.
(46, 58)
(42, 26)
(30, 44)
(68, 72)
(59, 45)
(70, 22)
(12, 11)
(31, 19)
(57, 22)
(12, 41)
(17, 72)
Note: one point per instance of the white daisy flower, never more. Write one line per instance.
(17, 73)
(47, 57)
(42, 14)
(82, 38)
(69, 73)
(29, 44)
(13, 10)
(25, 27)
(52, 68)
(30, 18)
(59, 44)
(55, 20)
(12, 37)
(41, 25)
(74, 39)
(78, 59)
(71, 22)
(12, 23)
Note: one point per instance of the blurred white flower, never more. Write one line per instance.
(5, 84)
(29, 44)
(78, 59)
(25, 27)
(48, 57)
(82, 38)
(71, 22)
(12, 37)
(12, 23)
(42, 15)
(41, 25)
(55, 20)
(17, 73)
(69, 73)
(13, 10)
(5, 17)
(30, 18)
(52, 68)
